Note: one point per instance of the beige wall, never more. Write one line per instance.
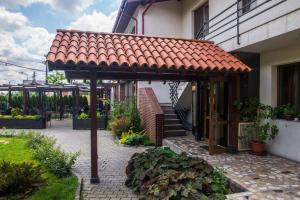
(268, 71)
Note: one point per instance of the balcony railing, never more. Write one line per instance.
(231, 19)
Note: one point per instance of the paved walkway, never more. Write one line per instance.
(266, 177)
(113, 159)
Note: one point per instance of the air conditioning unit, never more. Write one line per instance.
(244, 137)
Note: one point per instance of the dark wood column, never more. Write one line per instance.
(233, 95)
(9, 97)
(77, 99)
(25, 102)
(93, 112)
(61, 110)
(198, 130)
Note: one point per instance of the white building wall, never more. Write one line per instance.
(161, 90)
(268, 71)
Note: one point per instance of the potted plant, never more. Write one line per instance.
(288, 112)
(262, 130)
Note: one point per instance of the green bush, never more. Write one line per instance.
(32, 117)
(134, 120)
(16, 112)
(159, 173)
(83, 116)
(132, 138)
(52, 157)
(19, 179)
(118, 126)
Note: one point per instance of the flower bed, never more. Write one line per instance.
(22, 122)
(85, 124)
(160, 173)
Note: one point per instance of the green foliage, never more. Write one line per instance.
(52, 157)
(56, 78)
(248, 108)
(132, 138)
(16, 111)
(19, 178)
(118, 126)
(83, 116)
(120, 110)
(134, 120)
(31, 117)
(159, 173)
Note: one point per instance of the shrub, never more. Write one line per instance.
(134, 120)
(132, 138)
(83, 116)
(19, 179)
(159, 173)
(118, 126)
(56, 160)
(16, 112)
(31, 117)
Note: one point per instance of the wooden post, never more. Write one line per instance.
(25, 102)
(77, 99)
(61, 111)
(93, 112)
(234, 94)
(198, 112)
(9, 97)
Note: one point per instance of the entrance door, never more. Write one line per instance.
(216, 120)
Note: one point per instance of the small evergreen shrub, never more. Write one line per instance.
(52, 157)
(83, 116)
(19, 179)
(16, 112)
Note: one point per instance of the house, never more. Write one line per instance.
(264, 34)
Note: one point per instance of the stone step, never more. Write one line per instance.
(169, 111)
(166, 107)
(174, 133)
(172, 121)
(171, 116)
(165, 104)
(173, 127)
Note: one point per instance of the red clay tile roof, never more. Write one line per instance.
(111, 49)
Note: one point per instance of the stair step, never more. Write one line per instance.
(171, 121)
(174, 133)
(166, 107)
(169, 111)
(165, 104)
(171, 116)
(173, 127)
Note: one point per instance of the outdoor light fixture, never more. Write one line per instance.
(194, 87)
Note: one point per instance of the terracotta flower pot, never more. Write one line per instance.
(257, 147)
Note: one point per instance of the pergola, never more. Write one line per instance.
(90, 55)
(42, 89)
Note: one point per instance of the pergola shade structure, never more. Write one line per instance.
(90, 55)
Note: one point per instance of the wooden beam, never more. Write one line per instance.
(94, 143)
(198, 112)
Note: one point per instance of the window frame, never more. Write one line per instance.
(204, 8)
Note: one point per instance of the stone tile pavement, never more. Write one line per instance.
(113, 159)
(267, 177)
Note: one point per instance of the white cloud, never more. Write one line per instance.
(21, 44)
(96, 21)
(64, 5)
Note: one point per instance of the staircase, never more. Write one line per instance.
(172, 124)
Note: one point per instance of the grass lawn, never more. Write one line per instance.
(55, 189)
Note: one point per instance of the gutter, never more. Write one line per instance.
(143, 16)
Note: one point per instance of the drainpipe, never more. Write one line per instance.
(127, 15)
(143, 16)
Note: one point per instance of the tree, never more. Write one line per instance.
(56, 78)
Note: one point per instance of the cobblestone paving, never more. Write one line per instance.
(266, 177)
(112, 162)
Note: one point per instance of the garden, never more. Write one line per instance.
(32, 166)
(125, 124)
(159, 173)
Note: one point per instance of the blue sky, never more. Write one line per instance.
(27, 28)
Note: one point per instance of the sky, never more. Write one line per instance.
(27, 28)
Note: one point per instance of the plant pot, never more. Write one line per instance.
(257, 147)
(288, 117)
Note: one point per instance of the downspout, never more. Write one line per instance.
(143, 16)
(127, 15)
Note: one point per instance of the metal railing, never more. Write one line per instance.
(209, 27)
(179, 108)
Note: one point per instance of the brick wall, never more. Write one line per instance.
(152, 116)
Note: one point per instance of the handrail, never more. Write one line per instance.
(205, 27)
(176, 104)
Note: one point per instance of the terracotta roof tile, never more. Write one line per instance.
(108, 49)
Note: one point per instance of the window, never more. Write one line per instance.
(289, 85)
(201, 18)
(246, 6)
